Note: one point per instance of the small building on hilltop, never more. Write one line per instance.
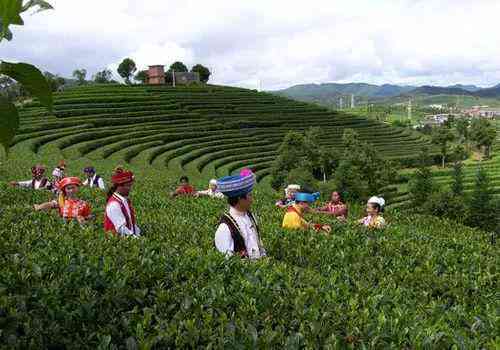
(184, 78)
(156, 75)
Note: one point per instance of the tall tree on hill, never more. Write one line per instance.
(141, 76)
(442, 137)
(178, 67)
(202, 71)
(482, 207)
(55, 81)
(126, 69)
(483, 133)
(462, 126)
(457, 185)
(79, 75)
(103, 77)
(422, 185)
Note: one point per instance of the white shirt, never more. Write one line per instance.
(37, 186)
(225, 244)
(114, 213)
(90, 183)
(211, 193)
(58, 173)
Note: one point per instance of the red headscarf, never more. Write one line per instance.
(121, 177)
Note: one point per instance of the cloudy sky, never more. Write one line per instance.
(272, 44)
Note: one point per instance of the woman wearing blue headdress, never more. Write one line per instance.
(294, 217)
(238, 232)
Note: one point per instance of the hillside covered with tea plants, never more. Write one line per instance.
(420, 283)
(204, 130)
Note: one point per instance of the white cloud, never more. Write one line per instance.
(272, 43)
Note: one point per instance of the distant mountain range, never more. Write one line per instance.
(330, 91)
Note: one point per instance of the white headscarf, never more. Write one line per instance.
(213, 182)
(378, 200)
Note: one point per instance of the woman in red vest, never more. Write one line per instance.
(120, 215)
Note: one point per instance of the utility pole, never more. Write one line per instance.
(409, 109)
(173, 78)
(341, 103)
(352, 100)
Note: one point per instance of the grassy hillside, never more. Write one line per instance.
(203, 130)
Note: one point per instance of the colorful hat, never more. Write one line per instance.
(377, 200)
(37, 170)
(306, 197)
(121, 177)
(89, 170)
(62, 164)
(69, 181)
(237, 185)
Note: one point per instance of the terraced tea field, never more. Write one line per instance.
(204, 131)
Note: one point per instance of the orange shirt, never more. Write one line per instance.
(74, 208)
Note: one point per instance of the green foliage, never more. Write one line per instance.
(483, 209)
(9, 123)
(103, 77)
(422, 185)
(457, 185)
(55, 82)
(126, 69)
(10, 12)
(203, 71)
(483, 133)
(446, 204)
(178, 67)
(31, 79)
(79, 75)
(141, 76)
(442, 136)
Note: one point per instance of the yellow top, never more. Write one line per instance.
(293, 218)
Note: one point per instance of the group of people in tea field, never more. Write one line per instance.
(237, 232)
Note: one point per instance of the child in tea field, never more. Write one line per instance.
(184, 189)
(294, 218)
(92, 179)
(119, 217)
(374, 208)
(38, 181)
(336, 207)
(290, 191)
(211, 192)
(69, 206)
(238, 232)
(58, 172)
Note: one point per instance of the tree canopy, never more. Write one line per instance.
(126, 69)
(203, 71)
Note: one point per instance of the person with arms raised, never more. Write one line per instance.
(211, 192)
(290, 191)
(119, 218)
(69, 206)
(38, 181)
(238, 231)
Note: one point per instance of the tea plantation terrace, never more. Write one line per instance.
(209, 130)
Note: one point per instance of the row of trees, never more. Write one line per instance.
(358, 171)
(456, 136)
(477, 209)
(127, 69)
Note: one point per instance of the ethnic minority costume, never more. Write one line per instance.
(39, 182)
(238, 232)
(71, 208)
(94, 181)
(119, 218)
(375, 222)
(294, 218)
(338, 210)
